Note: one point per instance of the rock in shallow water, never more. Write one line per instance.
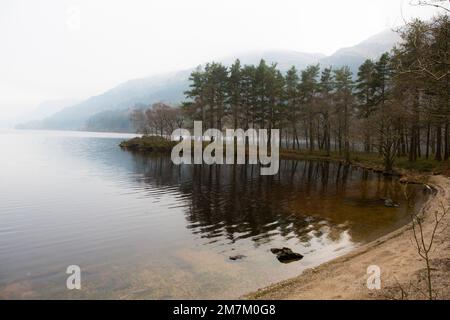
(286, 255)
(237, 257)
(390, 203)
(403, 180)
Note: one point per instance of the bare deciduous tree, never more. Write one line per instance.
(159, 119)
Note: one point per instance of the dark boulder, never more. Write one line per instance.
(286, 255)
(390, 203)
(237, 257)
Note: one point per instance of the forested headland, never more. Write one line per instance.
(396, 106)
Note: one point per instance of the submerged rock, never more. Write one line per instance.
(286, 255)
(403, 180)
(390, 203)
(237, 257)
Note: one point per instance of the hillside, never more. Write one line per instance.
(95, 112)
(370, 48)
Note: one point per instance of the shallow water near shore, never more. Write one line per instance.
(141, 227)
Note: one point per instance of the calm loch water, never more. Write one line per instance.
(140, 227)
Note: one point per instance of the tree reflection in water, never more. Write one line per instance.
(227, 203)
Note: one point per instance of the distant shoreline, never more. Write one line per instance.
(81, 133)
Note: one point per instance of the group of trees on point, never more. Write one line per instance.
(397, 105)
(160, 119)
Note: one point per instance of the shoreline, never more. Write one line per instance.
(157, 144)
(345, 277)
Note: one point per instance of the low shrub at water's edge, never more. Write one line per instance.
(157, 144)
(148, 143)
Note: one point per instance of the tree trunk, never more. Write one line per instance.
(446, 141)
(346, 135)
(427, 152)
(438, 155)
(419, 150)
(412, 145)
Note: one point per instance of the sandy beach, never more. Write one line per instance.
(403, 272)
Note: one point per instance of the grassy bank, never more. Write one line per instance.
(373, 161)
(148, 144)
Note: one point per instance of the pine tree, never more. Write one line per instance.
(365, 94)
(344, 102)
(248, 96)
(326, 88)
(308, 89)
(234, 92)
(292, 100)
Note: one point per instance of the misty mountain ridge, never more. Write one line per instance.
(284, 59)
(370, 48)
(45, 109)
(112, 105)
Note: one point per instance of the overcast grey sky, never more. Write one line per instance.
(71, 49)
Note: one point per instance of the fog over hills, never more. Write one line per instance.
(284, 59)
(370, 48)
(108, 111)
(43, 110)
(168, 88)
